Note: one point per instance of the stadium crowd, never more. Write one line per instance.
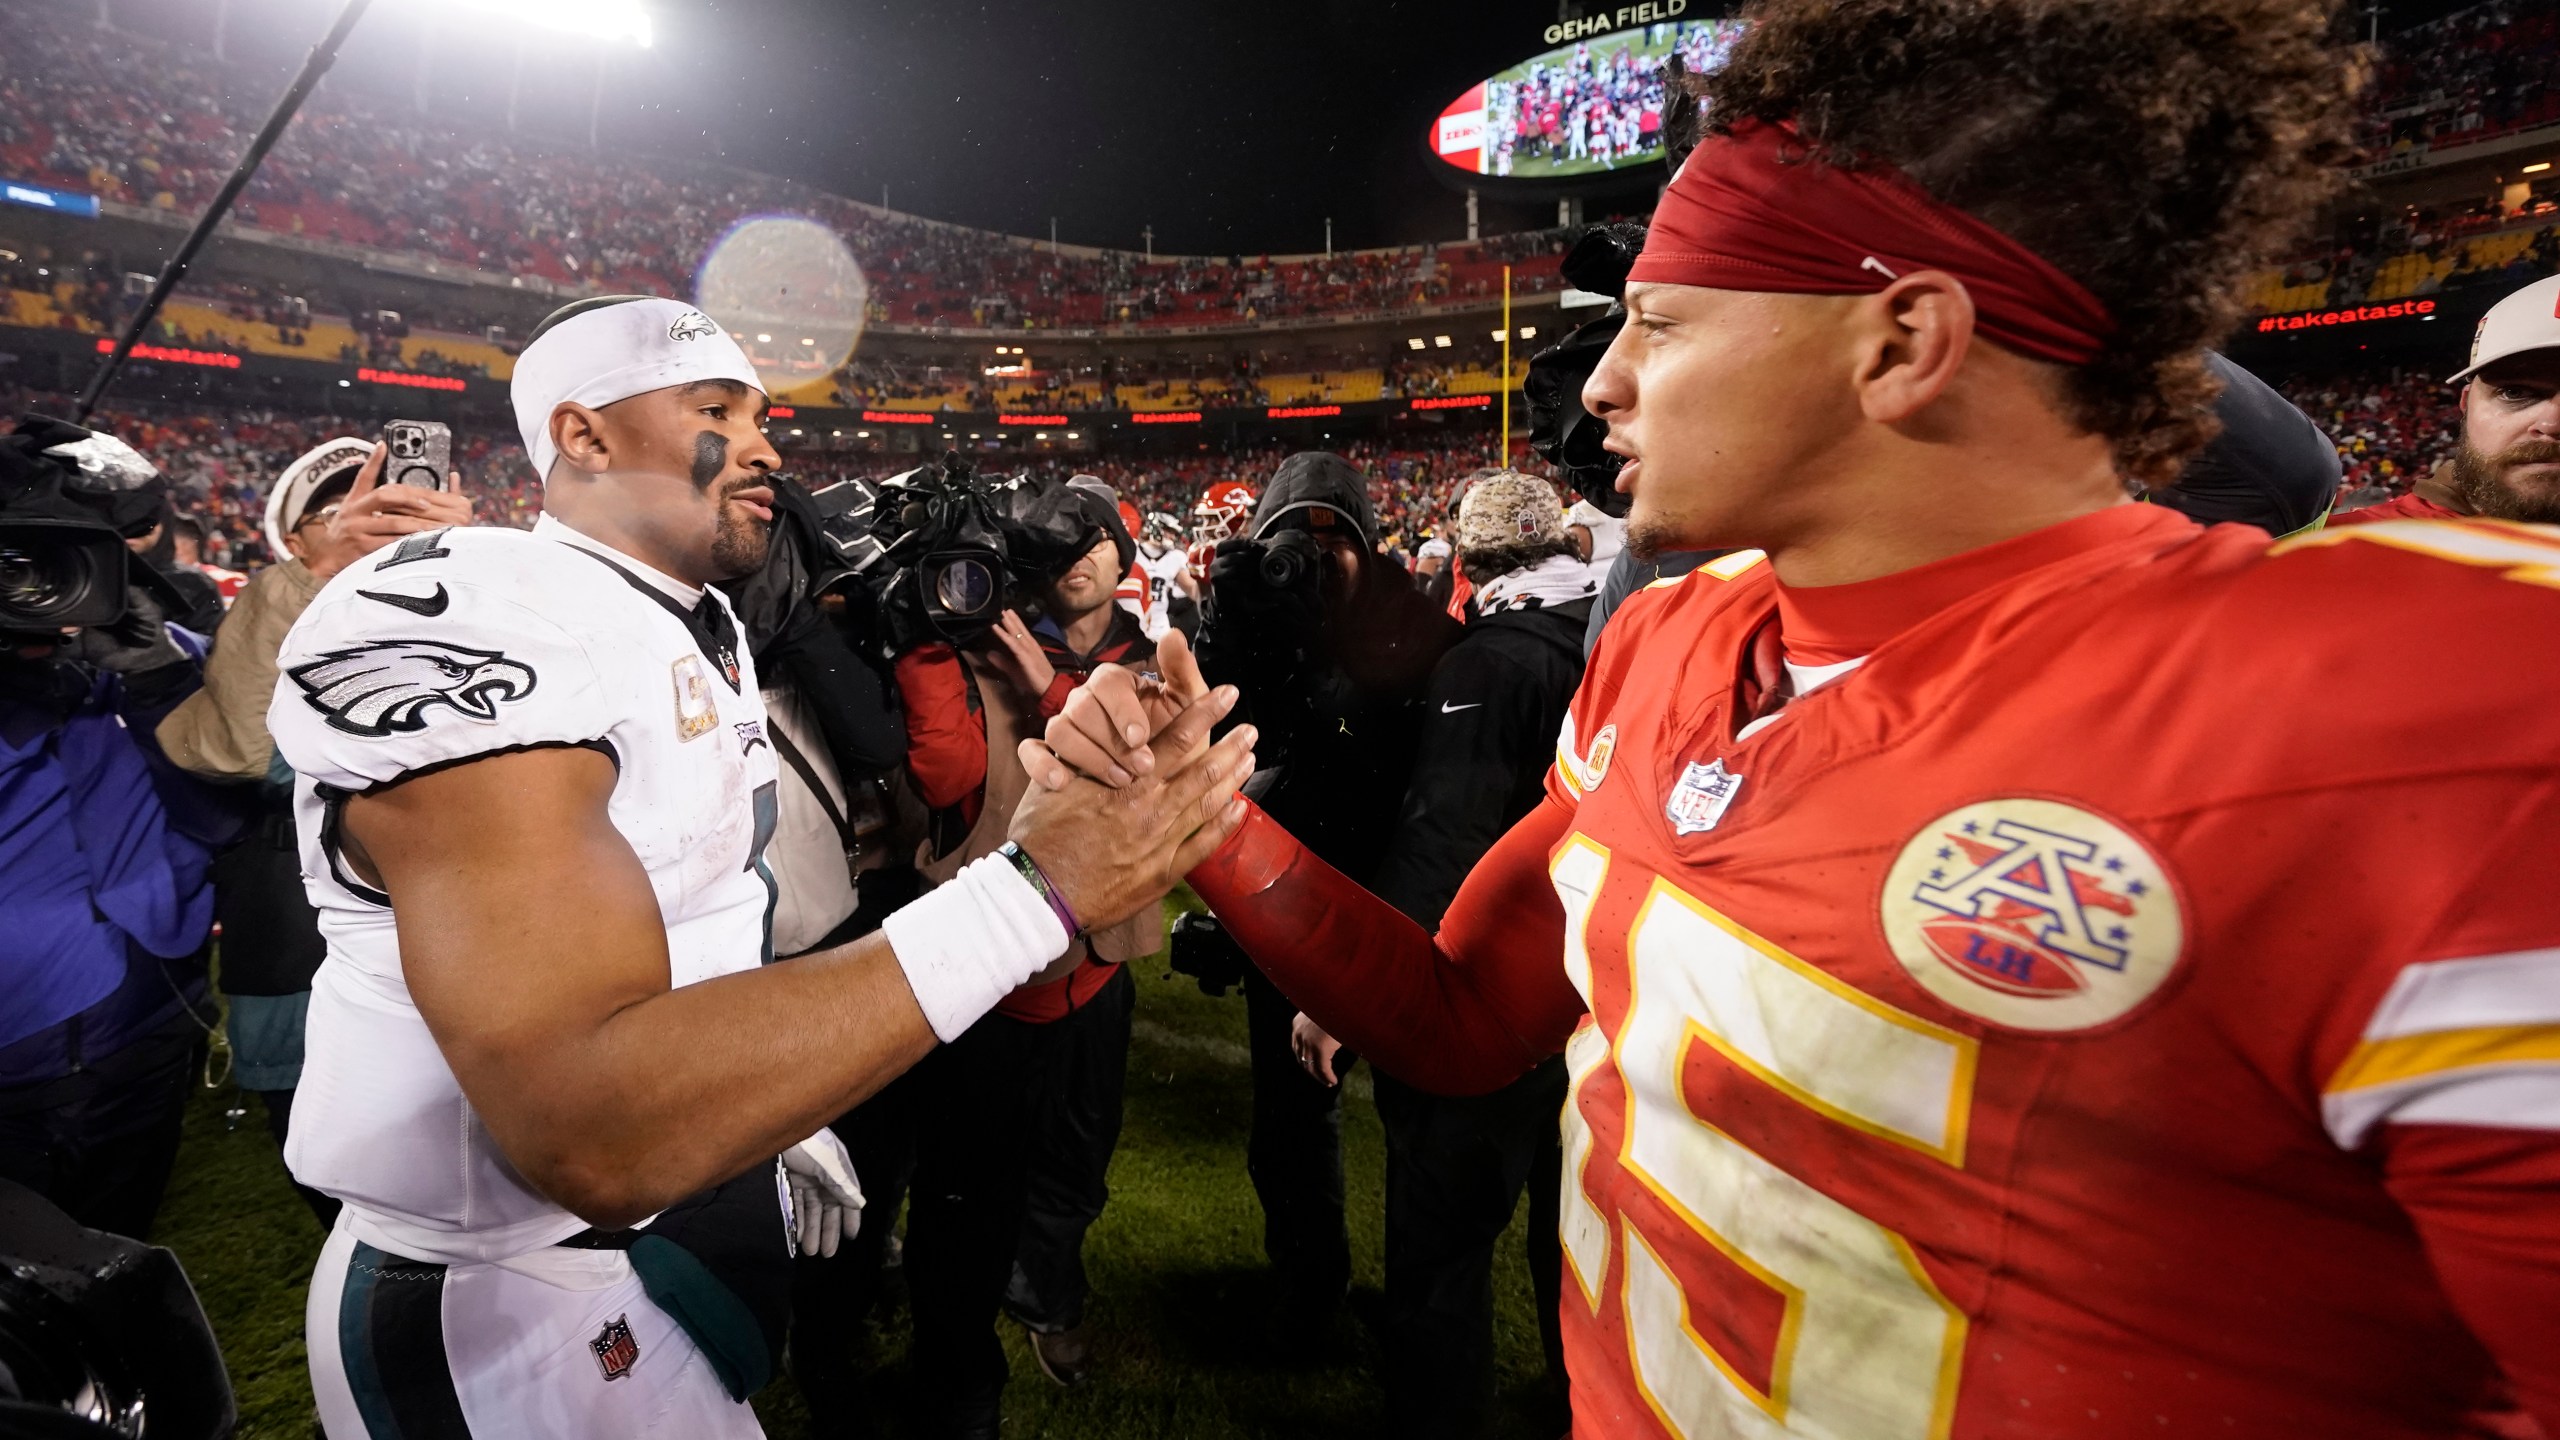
(1354, 598)
(2477, 74)
(2390, 426)
(136, 119)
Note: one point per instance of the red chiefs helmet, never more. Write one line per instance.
(1221, 513)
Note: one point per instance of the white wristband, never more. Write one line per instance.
(972, 941)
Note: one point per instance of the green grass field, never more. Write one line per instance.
(1176, 1264)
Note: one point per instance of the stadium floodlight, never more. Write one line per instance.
(1501, 335)
(1442, 341)
(1073, 435)
(2537, 168)
(1528, 332)
(1415, 342)
(861, 434)
(764, 339)
(603, 19)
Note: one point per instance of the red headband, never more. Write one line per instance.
(1751, 211)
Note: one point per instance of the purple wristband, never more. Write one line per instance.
(1031, 871)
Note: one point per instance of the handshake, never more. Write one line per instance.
(1127, 794)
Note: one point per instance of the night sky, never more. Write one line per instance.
(1228, 127)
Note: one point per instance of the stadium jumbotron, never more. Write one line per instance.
(736, 625)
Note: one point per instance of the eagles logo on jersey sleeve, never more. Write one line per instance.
(430, 655)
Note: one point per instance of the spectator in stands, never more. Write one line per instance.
(325, 513)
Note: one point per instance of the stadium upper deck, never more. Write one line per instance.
(139, 122)
(151, 127)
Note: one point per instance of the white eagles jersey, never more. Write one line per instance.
(1162, 566)
(453, 646)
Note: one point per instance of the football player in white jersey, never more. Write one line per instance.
(1164, 567)
(548, 1070)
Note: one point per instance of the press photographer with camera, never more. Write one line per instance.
(1016, 1120)
(1456, 1167)
(1332, 647)
(105, 847)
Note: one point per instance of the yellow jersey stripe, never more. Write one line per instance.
(2407, 1057)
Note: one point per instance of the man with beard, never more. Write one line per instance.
(1985, 1014)
(548, 1071)
(2509, 465)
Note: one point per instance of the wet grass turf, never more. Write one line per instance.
(1176, 1263)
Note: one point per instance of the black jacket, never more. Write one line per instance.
(1341, 719)
(1489, 721)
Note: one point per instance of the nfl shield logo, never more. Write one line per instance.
(1701, 797)
(615, 1350)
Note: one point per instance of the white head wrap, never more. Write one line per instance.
(613, 353)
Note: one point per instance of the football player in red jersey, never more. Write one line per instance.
(1220, 515)
(1987, 1015)
(2509, 465)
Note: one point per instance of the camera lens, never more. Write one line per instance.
(37, 585)
(964, 586)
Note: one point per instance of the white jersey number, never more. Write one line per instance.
(1867, 1349)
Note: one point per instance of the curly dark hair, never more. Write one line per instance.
(1492, 562)
(2156, 151)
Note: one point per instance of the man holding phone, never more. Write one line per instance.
(326, 511)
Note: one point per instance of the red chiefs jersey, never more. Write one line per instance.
(2412, 506)
(2086, 1017)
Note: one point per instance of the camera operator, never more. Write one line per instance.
(202, 607)
(1332, 646)
(846, 827)
(1456, 1167)
(325, 511)
(1015, 1121)
(104, 846)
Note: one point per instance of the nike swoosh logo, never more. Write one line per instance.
(429, 605)
(1448, 709)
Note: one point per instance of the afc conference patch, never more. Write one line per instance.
(616, 1351)
(2033, 914)
(1704, 793)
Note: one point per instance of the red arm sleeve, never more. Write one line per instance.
(1061, 685)
(1459, 1014)
(2481, 1199)
(946, 740)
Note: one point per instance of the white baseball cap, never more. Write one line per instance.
(613, 352)
(2529, 319)
(289, 498)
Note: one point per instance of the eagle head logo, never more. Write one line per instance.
(692, 325)
(387, 687)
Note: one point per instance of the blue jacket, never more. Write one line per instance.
(104, 898)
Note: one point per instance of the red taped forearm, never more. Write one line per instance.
(1459, 1015)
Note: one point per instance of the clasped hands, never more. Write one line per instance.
(1127, 794)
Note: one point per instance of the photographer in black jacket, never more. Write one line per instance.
(1456, 1167)
(1332, 647)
